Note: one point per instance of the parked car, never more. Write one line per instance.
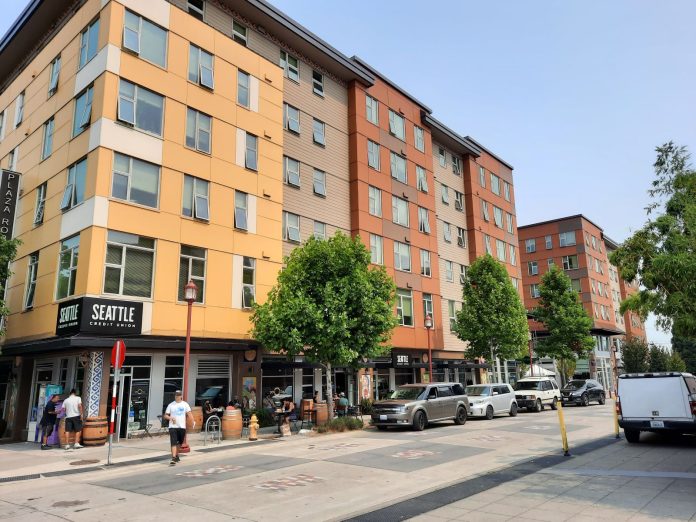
(535, 392)
(487, 400)
(417, 405)
(582, 392)
(657, 402)
(211, 394)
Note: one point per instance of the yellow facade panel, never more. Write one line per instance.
(218, 279)
(177, 157)
(143, 221)
(223, 141)
(192, 30)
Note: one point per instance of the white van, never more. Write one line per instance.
(658, 402)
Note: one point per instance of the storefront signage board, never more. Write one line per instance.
(9, 188)
(401, 360)
(99, 316)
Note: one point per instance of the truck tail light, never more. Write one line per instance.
(618, 406)
(693, 406)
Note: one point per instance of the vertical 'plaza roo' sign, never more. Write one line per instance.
(9, 187)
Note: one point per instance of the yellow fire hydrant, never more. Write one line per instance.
(253, 427)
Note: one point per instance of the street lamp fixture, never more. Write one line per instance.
(428, 326)
(190, 294)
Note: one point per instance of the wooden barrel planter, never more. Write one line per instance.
(232, 424)
(95, 431)
(62, 436)
(322, 413)
(197, 412)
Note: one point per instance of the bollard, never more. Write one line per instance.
(253, 427)
(564, 435)
(616, 417)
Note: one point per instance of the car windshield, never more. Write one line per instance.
(528, 385)
(405, 393)
(478, 391)
(574, 385)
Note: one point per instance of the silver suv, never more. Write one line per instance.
(416, 405)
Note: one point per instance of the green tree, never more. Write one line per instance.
(564, 317)
(686, 348)
(8, 252)
(492, 318)
(634, 353)
(676, 363)
(567, 367)
(658, 359)
(329, 305)
(662, 254)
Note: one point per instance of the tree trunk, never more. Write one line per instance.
(329, 391)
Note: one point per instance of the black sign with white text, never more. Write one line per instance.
(9, 188)
(401, 360)
(99, 316)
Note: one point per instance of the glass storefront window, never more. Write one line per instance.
(173, 379)
(277, 379)
(404, 376)
(307, 383)
(213, 389)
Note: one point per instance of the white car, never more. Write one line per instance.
(534, 393)
(488, 400)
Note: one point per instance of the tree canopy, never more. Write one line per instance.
(686, 348)
(8, 252)
(634, 353)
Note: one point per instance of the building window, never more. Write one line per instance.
(200, 67)
(549, 263)
(89, 43)
(371, 109)
(83, 111)
(400, 211)
(534, 291)
(129, 264)
(452, 315)
(570, 262)
(442, 156)
(428, 307)
(75, 188)
(449, 272)
(397, 125)
(447, 232)
(462, 274)
(461, 237)
(398, 167)
(487, 244)
(196, 8)
(292, 118)
(318, 83)
(600, 288)
(458, 201)
(506, 190)
(549, 242)
(423, 220)
(456, 166)
(376, 250)
(47, 148)
(13, 159)
(508, 218)
(145, 39)
(291, 227)
(375, 201)
(239, 33)
(292, 172)
(566, 238)
(195, 202)
(192, 268)
(290, 65)
(495, 184)
(484, 211)
(2, 124)
(419, 138)
(32, 271)
(593, 240)
(532, 268)
(67, 267)
(241, 210)
(482, 177)
(198, 130)
(426, 269)
(251, 152)
(319, 230)
(445, 194)
(515, 283)
(243, 89)
(530, 245)
(402, 257)
(319, 182)
(404, 307)
(53, 78)
(500, 249)
(319, 132)
(140, 108)
(40, 203)
(513, 255)
(498, 217)
(421, 179)
(135, 180)
(248, 282)
(372, 154)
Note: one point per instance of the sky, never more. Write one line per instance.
(575, 94)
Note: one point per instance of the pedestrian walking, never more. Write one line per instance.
(49, 419)
(73, 420)
(176, 413)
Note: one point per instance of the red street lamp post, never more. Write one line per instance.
(190, 294)
(428, 326)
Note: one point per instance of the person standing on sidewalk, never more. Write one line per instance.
(49, 420)
(176, 413)
(73, 420)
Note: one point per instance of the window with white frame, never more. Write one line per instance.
(243, 80)
(500, 249)
(421, 179)
(400, 211)
(251, 152)
(200, 67)
(484, 211)
(419, 138)
(495, 184)
(32, 272)
(498, 216)
(83, 111)
(447, 232)
(373, 154)
(47, 148)
(532, 268)
(596, 311)
(89, 43)
(506, 190)
(371, 109)
(426, 268)
(566, 238)
(13, 159)
(319, 132)
(452, 315)
(515, 283)
(487, 244)
(241, 210)
(318, 83)
(54, 76)
(449, 271)
(40, 203)
(404, 307)
(550, 262)
(195, 202)
(129, 264)
(530, 245)
(67, 267)
(600, 288)
(397, 125)
(575, 285)
(196, 8)
(319, 182)
(248, 282)
(198, 130)
(74, 192)
(570, 262)
(135, 180)
(292, 118)
(548, 240)
(398, 167)
(461, 237)
(319, 230)
(593, 286)
(239, 33)
(192, 268)
(456, 166)
(482, 177)
(445, 194)
(147, 40)
(423, 220)
(375, 201)
(291, 172)
(534, 291)
(513, 255)
(458, 201)
(428, 307)
(442, 156)
(140, 107)
(291, 227)
(376, 249)
(593, 241)
(508, 219)
(402, 256)
(290, 65)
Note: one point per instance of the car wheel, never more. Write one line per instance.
(539, 406)
(632, 436)
(382, 428)
(513, 410)
(460, 418)
(419, 421)
(554, 403)
(489, 413)
(602, 398)
(585, 400)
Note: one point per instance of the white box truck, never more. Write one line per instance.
(657, 402)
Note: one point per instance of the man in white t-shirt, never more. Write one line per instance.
(176, 413)
(73, 420)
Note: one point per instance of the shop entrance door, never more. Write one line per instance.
(123, 408)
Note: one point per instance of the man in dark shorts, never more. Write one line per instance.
(49, 420)
(73, 420)
(176, 413)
